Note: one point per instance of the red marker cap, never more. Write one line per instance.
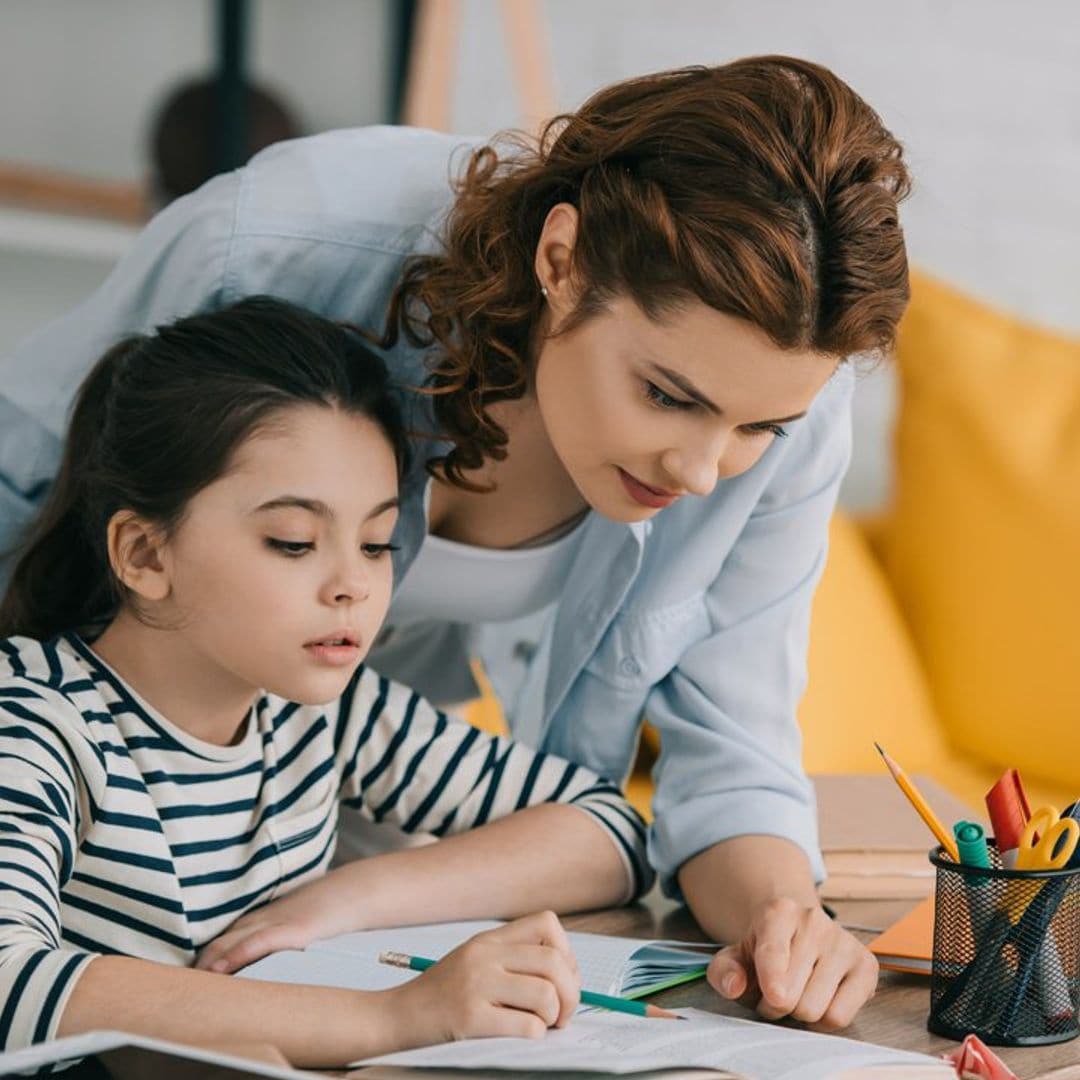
(1009, 810)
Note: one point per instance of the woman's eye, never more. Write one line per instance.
(377, 551)
(292, 548)
(767, 429)
(664, 400)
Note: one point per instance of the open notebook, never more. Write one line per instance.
(627, 967)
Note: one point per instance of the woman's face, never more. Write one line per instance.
(641, 412)
(280, 572)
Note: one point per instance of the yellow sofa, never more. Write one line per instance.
(948, 628)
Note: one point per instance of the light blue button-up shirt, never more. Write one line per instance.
(697, 619)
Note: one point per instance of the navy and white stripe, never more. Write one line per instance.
(121, 833)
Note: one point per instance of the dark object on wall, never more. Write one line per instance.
(184, 134)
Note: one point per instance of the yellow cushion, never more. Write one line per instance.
(982, 543)
(864, 680)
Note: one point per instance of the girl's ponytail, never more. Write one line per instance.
(62, 578)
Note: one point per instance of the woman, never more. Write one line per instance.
(634, 424)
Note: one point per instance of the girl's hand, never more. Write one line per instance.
(796, 961)
(317, 910)
(517, 980)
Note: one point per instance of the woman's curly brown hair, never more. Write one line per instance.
(765, 188)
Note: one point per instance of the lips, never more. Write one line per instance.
(338, 649)
(645, 494)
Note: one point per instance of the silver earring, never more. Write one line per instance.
(543, 292)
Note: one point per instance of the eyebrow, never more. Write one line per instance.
(318, 507)
(691, 391)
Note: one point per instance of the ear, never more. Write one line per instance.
(136, 552)
(553, 263)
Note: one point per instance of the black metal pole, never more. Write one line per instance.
(402, 28)
(231, 130)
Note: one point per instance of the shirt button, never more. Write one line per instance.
(524, 651)
(629, 666)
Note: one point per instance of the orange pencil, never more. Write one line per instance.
(948, 844)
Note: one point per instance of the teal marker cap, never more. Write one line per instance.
(971, 843)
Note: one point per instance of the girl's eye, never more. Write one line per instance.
(377, 551)
(767, 429)
(292, 548)
(664, 400)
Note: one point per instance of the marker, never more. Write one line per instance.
(971, 843)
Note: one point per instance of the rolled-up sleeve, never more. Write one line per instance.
(730, 758)
(405, 762)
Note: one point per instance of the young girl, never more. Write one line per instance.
(183, 707)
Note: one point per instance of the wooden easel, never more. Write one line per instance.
(431, 62)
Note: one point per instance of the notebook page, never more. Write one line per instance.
(608, 964)
(615, 1043)
(601, 959)
(434, 940)
(310, 968)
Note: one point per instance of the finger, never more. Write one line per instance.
(856, 988)
(772, 952)
(545, 962)
(540, 928)
(256, 945)
(213, 950)
(727, 973)
(806, 954)
(217, 948)
(513, 1023)
(529, 994)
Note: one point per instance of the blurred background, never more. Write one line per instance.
(985, 94)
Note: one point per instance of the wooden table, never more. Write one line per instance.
(896, 1016)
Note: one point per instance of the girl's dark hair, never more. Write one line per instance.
(765, 188)
(157, 419)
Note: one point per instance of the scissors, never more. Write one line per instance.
(1048, 841)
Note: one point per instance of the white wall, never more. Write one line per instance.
(79, 78)
(984, 93)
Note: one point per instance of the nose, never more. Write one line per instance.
(696, 467)
(349, 583)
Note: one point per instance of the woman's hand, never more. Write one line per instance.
(317, 910)
(796, 961)
(517, 980)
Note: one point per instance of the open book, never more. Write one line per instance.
(613, 1043)
(626, 967)
(597, 1040)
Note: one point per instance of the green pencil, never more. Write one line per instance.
(588, 997)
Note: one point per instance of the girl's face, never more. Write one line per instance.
(642, 412)
(280, 571)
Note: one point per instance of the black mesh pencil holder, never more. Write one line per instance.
(1006, 953)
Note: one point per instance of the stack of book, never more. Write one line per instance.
(874, 844)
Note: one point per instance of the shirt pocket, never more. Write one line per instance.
(641, 647)
(303, 834)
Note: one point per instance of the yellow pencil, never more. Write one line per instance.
(948, 844)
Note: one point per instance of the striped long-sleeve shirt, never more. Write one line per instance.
(120, 833)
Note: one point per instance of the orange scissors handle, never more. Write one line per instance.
(1057, 840)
